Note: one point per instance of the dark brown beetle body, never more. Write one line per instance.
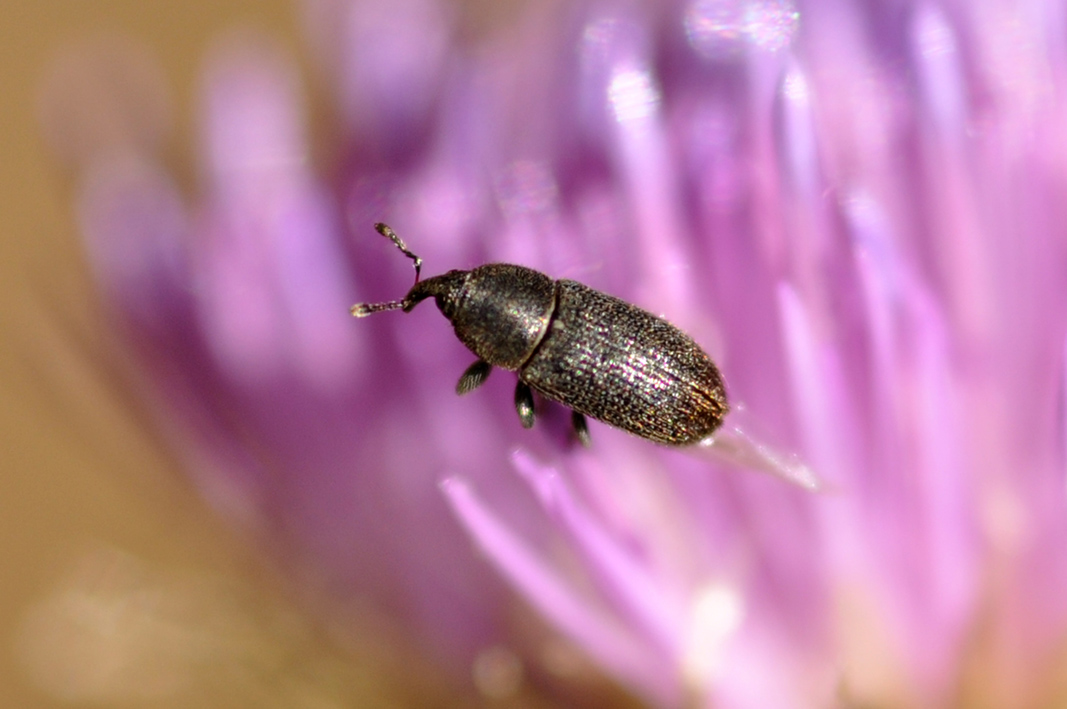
(596, 354)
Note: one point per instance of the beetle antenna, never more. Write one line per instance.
(388, 233)
(362, 310)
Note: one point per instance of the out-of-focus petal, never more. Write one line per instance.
(273, 271)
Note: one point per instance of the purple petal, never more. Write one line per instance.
(273, 272)
(652, 603)
(544, 586)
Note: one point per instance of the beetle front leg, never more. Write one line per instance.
(581, 428)
(474, 377)
(524, 404)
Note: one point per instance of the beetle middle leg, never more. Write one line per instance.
(524, 404)
(474, 377)
(581, 428)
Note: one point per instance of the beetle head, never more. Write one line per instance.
(443, 288)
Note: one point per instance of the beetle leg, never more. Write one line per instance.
(581, 428)
(524, 404)
(474, 377)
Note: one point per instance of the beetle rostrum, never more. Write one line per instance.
(595, 354)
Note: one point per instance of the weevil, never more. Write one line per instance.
(596, 354)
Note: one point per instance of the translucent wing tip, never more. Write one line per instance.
(732, 445)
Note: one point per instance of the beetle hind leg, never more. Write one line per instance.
(524, 404)
(474, 377)
(581, 428)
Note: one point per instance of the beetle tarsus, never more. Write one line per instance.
(581, 428)
(474, 377)
(524, 404)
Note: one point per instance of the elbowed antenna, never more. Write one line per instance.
(362, 310)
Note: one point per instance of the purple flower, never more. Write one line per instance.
(854, 207)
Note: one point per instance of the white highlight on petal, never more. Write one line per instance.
(771, 24)
(720, 29)
(933, 36)
(714, 28)
(633, 95)
(801, 148)
(940, 73)
(795, 87)
(717, 612)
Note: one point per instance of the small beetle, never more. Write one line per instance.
(597, 355)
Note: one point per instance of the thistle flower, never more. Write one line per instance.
(853, 207)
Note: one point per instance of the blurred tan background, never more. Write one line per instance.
(118, 588)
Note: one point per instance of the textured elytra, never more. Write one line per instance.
(619, 364)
